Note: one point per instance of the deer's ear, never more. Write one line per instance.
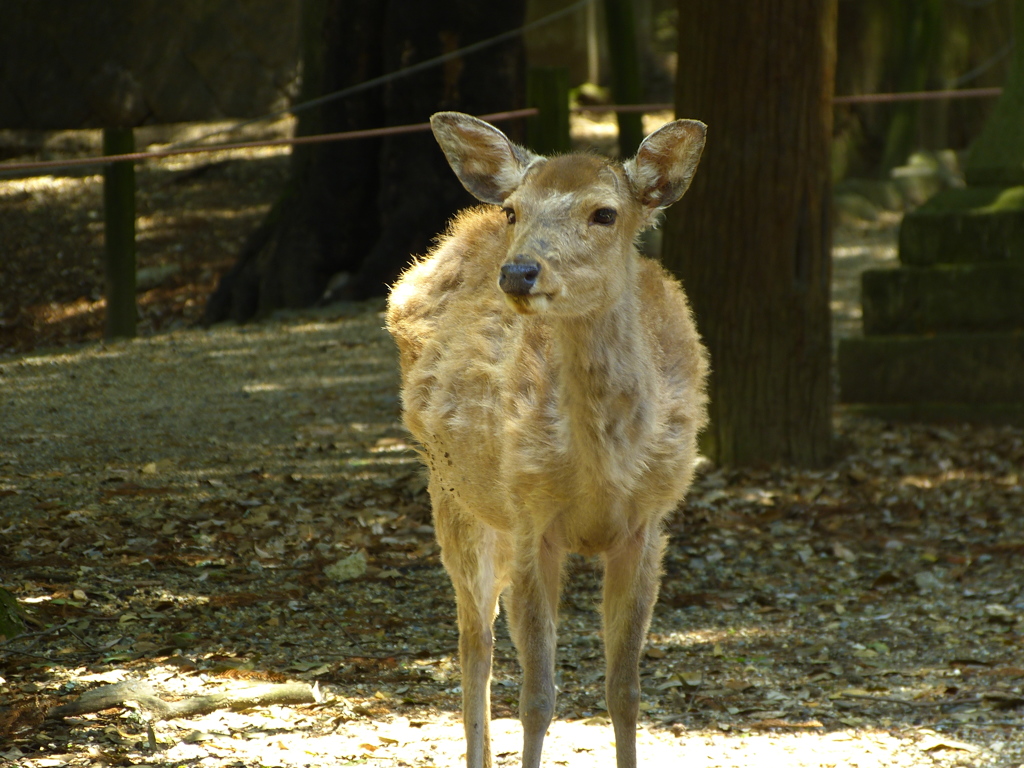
(489, 166)
(665, 163)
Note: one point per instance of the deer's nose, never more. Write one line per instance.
(518, 277)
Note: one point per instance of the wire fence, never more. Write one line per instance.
(404, 72)
(394, 130)
(891, 98)
(189, 148)
(193, 146)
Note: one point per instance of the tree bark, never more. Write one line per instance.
(752, 239)
(361, 208)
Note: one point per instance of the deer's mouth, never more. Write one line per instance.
(530, 303)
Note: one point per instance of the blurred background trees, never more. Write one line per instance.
(886, 47)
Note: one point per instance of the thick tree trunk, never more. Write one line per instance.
(752, 240)
(361, 208)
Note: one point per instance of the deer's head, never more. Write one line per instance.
(572, 219)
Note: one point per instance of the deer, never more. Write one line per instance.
(554, 381)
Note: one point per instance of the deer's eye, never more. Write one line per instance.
(604, 216)
(510, 215)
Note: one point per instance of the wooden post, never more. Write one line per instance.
(625, 66)
(119, 234)
(918, 43)
(547, 88)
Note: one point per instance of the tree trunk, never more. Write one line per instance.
(997, 156)
(752, 239)
(625, 74)
(359, 209)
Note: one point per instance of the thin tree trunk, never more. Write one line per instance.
(625, 74)
(752, 239)
(996, 156)
(918, 41)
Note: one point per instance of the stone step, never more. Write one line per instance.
(965, 225)
(946, 297)
(968, 369)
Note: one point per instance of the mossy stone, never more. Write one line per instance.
(970, 224)
(969, 369)
(947, 297)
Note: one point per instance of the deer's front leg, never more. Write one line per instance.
(475, 557)
(631, 577)
(476, 647)
(533, 616)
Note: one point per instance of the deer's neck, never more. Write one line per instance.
(607, 387)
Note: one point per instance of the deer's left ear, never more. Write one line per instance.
(666, 161)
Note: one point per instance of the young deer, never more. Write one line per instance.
(555, 380)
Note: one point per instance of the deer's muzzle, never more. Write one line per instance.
(518, 277)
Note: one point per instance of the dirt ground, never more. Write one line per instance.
(205, 510)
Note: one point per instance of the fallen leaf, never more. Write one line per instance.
(932, 743)
(348, 568)
(692, 679)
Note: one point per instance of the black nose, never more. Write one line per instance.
(518, 277)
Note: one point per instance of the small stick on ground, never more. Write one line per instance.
(146, 697)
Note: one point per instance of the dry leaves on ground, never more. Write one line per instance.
(205, 507)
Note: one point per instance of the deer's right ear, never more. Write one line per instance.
(489, 166)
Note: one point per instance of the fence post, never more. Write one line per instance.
(119, 234)
(547, 89)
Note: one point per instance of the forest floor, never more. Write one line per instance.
(206, 509)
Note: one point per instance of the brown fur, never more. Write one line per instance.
(561, 421)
